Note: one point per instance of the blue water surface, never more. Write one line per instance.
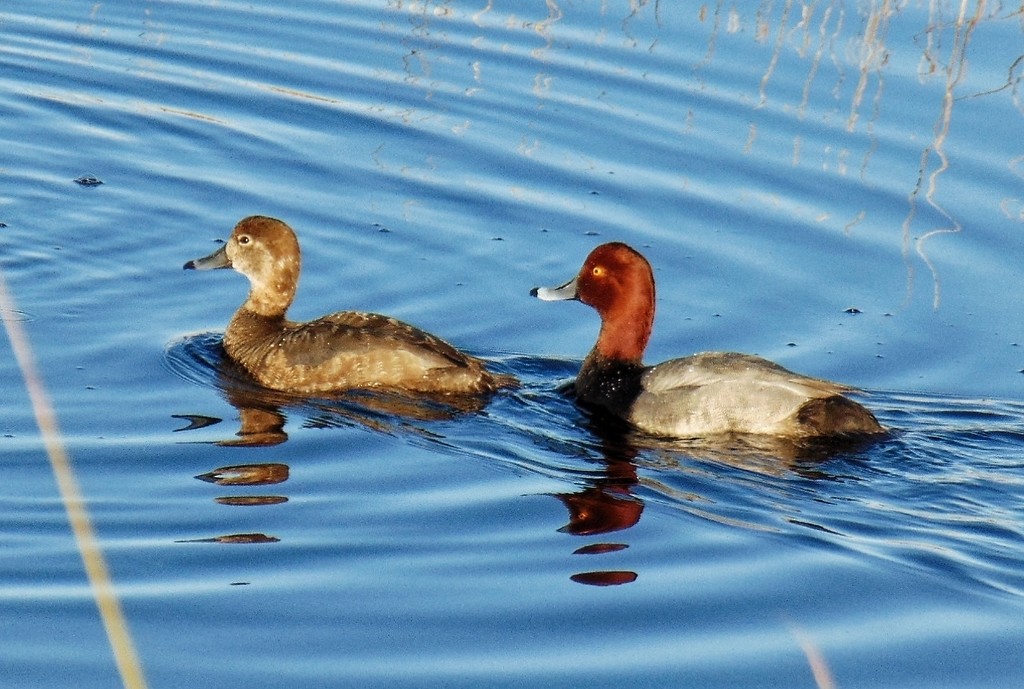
(834, 186)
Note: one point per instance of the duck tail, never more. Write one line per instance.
(837, 416)
(502, 380)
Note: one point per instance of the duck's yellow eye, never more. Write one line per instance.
(244, 239)
(597, 271)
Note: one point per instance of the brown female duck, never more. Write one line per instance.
(341, 351)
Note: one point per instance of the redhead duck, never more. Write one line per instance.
(342, 351)
(697, 396)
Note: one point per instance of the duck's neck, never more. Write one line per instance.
(271, 300)
(626, 328)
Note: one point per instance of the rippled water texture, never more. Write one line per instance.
(835, 186)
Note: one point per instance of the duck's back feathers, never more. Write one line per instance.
(351, 350)
(713, 368)
(316, 342)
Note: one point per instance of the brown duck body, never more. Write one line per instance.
(351, 350)
(341, 351)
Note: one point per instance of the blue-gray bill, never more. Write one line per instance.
(218, 259)
(566, 291)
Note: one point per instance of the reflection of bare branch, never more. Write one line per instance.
(848, 228)
(823, 41)
(635, 6)
(954, 72)
(780, 41)
(751, 138)
(543, 28)
(874, 56)
(816, 33)
(713, 34)
(1012, 81)
(836, 62)
(479, 15)
(1013, 208)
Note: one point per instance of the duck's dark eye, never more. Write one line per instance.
(244, 239)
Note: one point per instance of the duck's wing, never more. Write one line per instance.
(314, 342)
(725, 369)
(718, 392)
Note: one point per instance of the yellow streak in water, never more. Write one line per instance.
(92, 556)
(815, 659)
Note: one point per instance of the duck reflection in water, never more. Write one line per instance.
(606, 504)
(262, 419)
(609, 503)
